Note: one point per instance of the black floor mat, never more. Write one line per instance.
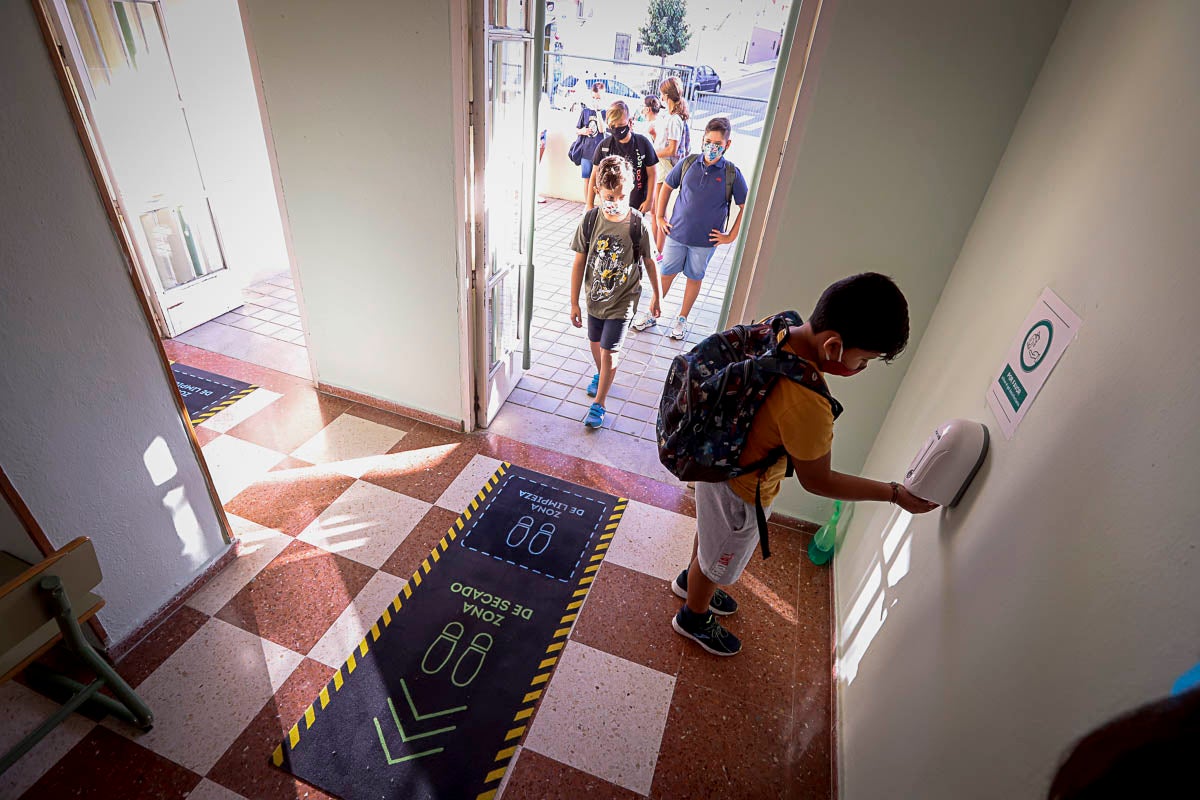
(206, 393)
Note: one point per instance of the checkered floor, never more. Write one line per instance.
(562, 364)
(335, 504)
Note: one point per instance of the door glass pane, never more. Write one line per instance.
(507, 156)
(141, 124)
(509, 14)
(504, 302)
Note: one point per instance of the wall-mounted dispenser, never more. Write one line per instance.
(948, 461)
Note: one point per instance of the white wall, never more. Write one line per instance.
(86, 402)
(212, 67)
(13, 537)
(1065, 588)
(914, 104)
(360, 110)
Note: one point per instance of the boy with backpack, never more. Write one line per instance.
(634, 148)
(772, 414)
(708, 186)
(611, 246)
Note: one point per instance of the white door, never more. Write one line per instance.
(507, 64)
(117, 51)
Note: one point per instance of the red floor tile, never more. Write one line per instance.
(287, 500)
(106, 765)
(536, 777)
(434, 458)
(296, 597)
(628, 614)
(246, 766)
(149, 654)
(717, 747)
(419, 542)
(205, 435)
(291, 420)
(233, 368)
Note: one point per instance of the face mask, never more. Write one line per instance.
(619, 132)
(614, 208)
(712, 152)
(834, 366)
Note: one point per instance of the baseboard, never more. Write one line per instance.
(834, 760)
(794, 523)
(395, 408)
(120, 649)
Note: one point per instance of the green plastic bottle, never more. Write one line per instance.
(820, 549)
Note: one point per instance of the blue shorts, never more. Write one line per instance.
(586, 165)
(607, 333)
(691, 261)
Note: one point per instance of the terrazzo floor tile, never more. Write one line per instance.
(603, 715)
(236, 464)
(536, 777)
(291, 420)
(288, 500)
(628, 614)
(296, 597)
(716, 748)
(458, 495)
(653, 541)
(258, 547)
(354, 623)
(423, 464)
(419, 542)
(105, 765)
(348, 439)
(241, 411)
(207, 692)
(24, 711)
(207, 790)
(150, 653)
(366, 523)
(245, 767)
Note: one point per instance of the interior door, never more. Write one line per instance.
(507, 65)
(117, 51)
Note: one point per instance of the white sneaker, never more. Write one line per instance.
(642, 321)
(677, 328)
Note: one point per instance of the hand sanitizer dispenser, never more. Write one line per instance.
(947, 462)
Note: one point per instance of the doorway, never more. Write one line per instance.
(183, 146)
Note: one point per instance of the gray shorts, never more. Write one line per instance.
(726, 532)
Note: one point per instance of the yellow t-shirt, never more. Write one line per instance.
(797, 419)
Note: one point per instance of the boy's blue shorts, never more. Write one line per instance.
(691, 261)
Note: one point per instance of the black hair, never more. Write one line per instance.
(719, 124)
(868, 311)
(653, 103)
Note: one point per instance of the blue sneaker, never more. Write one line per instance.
(594, 386)
(595, 416)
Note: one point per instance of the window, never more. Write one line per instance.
(621, 50)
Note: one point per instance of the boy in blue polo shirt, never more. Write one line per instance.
(708, 185)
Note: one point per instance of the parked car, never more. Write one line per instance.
(704, 79)
(573, 89)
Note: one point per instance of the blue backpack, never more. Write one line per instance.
(712, 395)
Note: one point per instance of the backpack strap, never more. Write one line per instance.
(687, 164)
(635, 234)
(730, 177)
(589, 228)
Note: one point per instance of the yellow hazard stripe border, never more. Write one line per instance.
(524, 716)
(342, 674)
(196, 419)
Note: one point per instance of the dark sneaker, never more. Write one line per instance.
(721, 603)
(706, 632)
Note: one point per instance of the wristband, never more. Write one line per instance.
(895, 492)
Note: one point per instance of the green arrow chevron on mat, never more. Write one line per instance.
(406, 738)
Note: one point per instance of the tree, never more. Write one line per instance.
(665, 32)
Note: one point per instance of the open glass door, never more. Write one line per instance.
(118, 57)
(505, 144)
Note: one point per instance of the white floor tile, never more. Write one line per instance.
(604, 715)
(207, 790)
(206, 693)
(366, 523)
(353, 624)
(242, 410)
(259, 546)
(459, 494)
(654, 541)
(24, 710)
(349, 439)
(236, 464)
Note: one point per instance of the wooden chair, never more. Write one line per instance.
(37, 610)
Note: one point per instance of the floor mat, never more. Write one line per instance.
(435, 699)
(206, 393)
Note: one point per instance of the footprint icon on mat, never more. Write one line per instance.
(442, 649)
(516, 537)
(547, 531)
(471, 661)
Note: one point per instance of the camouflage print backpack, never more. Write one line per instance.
(713, 393)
